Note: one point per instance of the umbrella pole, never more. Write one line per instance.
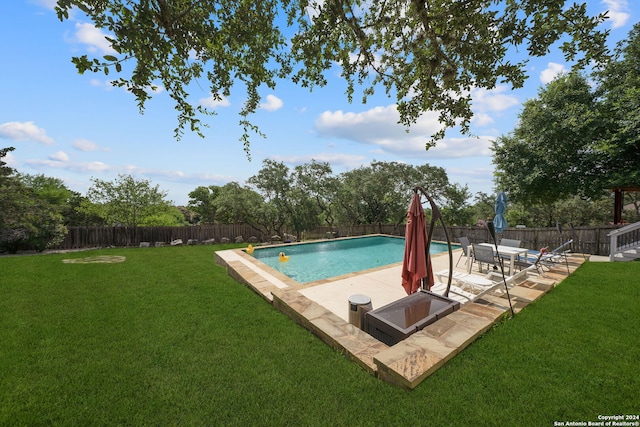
(492, 231)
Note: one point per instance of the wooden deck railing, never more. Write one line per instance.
(623, 239)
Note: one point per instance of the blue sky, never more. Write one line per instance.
(77, 127)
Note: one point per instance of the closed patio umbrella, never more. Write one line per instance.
(414, 264)
(499, 221)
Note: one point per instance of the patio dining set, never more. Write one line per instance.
(495, 256)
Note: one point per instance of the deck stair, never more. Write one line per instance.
(625, 243)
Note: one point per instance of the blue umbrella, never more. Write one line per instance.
(500, 222)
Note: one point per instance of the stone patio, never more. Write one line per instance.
(409, 362)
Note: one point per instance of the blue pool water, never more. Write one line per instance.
(309, 262)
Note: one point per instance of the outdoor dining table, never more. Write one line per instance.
(508, 251)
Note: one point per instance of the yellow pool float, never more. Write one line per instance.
(250, 249)
(283, 257)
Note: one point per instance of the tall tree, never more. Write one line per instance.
(620, 93)
(13, 205)
(9, 189)
(236, 205)
(202, 202)
(125, 200)
(456, 210)
(579, 137)
(349, 208)
(434, 180)
(303, 211)
(291, 204)
(550, 155)
(428, 55)
(50, 203)
(51, 189)
(274, 184)
(31, 208)
(77, 215)
(484, 208)
(172, 216)
(317, 180)
(377, 194)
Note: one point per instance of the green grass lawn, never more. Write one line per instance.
(167, 338)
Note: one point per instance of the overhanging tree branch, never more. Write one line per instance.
(426, 55)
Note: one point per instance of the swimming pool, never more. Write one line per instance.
(309, 262)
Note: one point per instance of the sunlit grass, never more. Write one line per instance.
(167, 338)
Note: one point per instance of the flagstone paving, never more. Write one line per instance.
(409, 362)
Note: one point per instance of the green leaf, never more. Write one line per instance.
(425, 54)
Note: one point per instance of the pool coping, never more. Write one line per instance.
(409, 362)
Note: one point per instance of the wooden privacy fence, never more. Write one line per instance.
(590, 240)
(87, 237)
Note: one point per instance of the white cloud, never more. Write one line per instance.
(59, 156)
(215, 178)
(10, 160)
(482, 119)
(273, 103)
(81, 167)
(24, 131)
(347, 161)
(108, 86)
(480, 172)
(168, 174)
(551, 72)
(155, 89)
(314, 8)
(94, 38)
(457, 148)
(487, 103)
(379, 127)
(82, 144)
(105, 84)
(211, 102)
(617, 12)
(60, 160)
(93, 167)
(49, 4)
(175, 175)
(493, 100)
(477, 177)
